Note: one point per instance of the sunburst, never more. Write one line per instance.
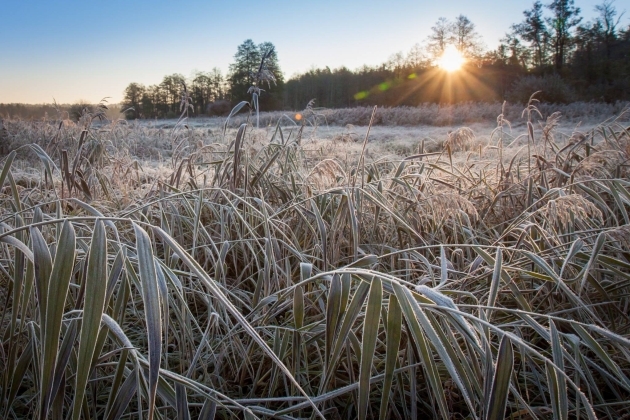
(451, 60)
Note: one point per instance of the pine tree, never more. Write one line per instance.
(246, 73)
(242, 71)
(273, 96)
(534, 31)
(461, 33)
(441, 36)
(465, 38)
(565, 17)
(206, 87)
(132, 100)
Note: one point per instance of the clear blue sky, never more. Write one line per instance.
(87, 50)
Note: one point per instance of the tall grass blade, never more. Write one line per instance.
(394, 333)
(43, 268)
(599, 243)
(405, 299)
(124, 396)
(208, 411)
(23, 362)
(603, 355)
(7, 167)
(333, 314)
(95, 289)
(554, 390)
(344, 329)
(368, 343)
(233, 112)
(182, 402)
(56, 301)
(496, 280)
(498, 398)
(558, 360)
(151, 300)
(298, 307)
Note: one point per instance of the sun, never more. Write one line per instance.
(451, 60)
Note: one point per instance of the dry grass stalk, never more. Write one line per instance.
(460, 139)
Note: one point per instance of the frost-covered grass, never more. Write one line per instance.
(297, 271)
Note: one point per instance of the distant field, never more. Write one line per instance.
(395, 132)
(453, 263)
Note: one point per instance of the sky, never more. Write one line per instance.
(71, 51)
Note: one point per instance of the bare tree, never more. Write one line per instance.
(440, 37)
(396, 63)
(416, 57)
(465, 38)
(461, 33)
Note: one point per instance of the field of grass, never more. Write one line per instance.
(317, 268)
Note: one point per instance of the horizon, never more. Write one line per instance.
(72, 53)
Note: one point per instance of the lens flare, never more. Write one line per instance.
(451, 60)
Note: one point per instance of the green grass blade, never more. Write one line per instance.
(182, 402)
(348, 320)
(497, 400)
(43, 268)
(237, 155)
(405, 299)
(323, 233)
(23, 362)
(151, 300)
(496, 279)
(65, 352)
(333, 314)
(124, 396)
(95, 289)
(438, 344)
(591, 343)
(6, 167)
(57, 291)
(558, 360)
(599, 243)
(208, 410)
(394, 330)
(298, 307)
(370, 331)
(554, 390)
(19, 245)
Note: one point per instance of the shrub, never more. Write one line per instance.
(218, 108)
(552, 89)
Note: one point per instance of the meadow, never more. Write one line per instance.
(470, 261)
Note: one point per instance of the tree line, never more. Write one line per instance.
(56, 111)
(164, 100)
(212, 92)
(551, 50)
